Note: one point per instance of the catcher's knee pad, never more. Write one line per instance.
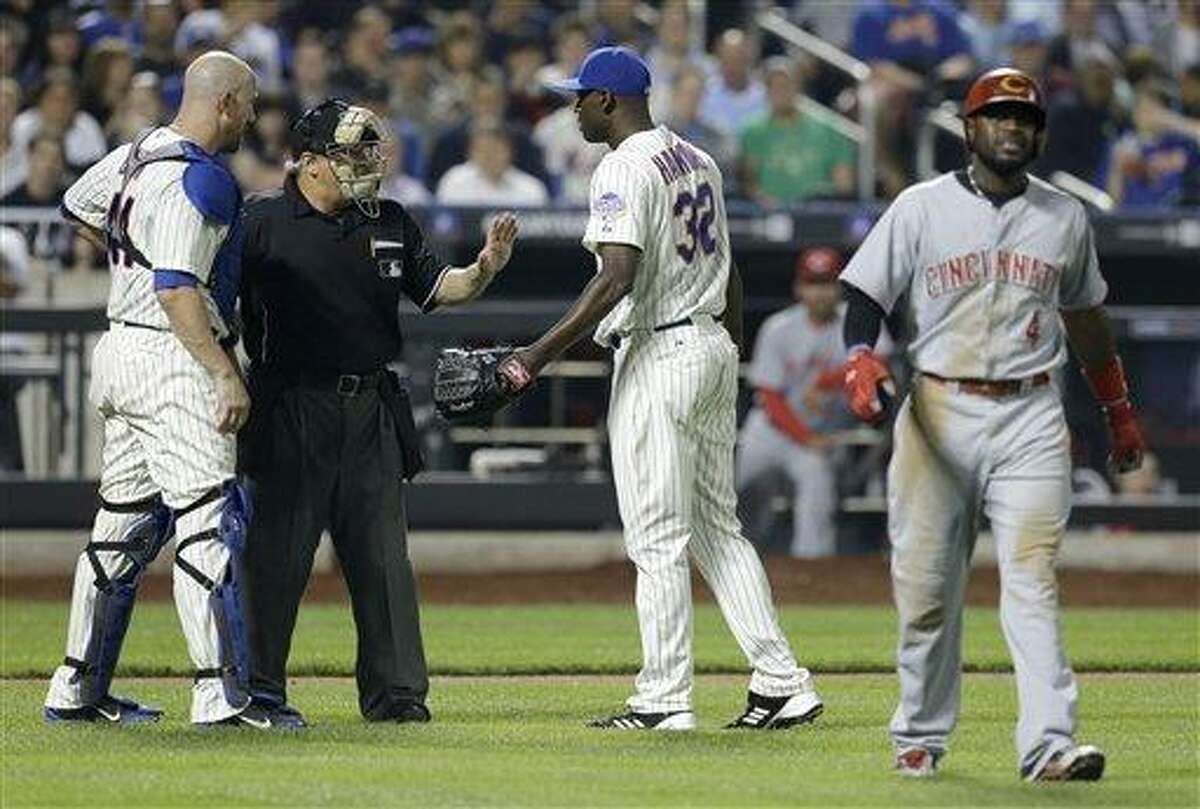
(232, 520)
(134, 534)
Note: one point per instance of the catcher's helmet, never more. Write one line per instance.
(1004, 85)
(354, 139)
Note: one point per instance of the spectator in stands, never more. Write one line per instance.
(460, 54)
(788, 154)
(107, 69)
(62, 48)
(13, 37)
(310, 72)
(1085, 121)
(14, 281)
(1029, 49)
(114, 19)
(268, 137)
(510, 22)
(56, 110)
(140, 110)
(1183, 47)
(572, 43)
(1086, 24)
(488, 107)
(913, 46)
(735, 94)
(200, 30)
(684, 118)
(412, 112)
(985, 24)
(1158, 163)
(1189, 91)
(489, 178)
(671, 53)
(617, 23)
(404, 188)
(45, 181)
(12, 159)
(529, 101)
(160, 19)
(569, 159)
(251, 35)
(365, 51)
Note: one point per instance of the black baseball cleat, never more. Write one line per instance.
(1080, 763)
(253, 715)
(634, 720)
(775, 713)
(282, 715)
(114, 710)
(410, 712)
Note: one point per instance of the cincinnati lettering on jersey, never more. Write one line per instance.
(677, 161)
(981, 266)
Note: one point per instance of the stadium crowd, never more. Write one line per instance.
(463, 85)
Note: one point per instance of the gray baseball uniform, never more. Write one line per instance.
(984, 285)
(790, 353)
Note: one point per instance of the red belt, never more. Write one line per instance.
(993, 387)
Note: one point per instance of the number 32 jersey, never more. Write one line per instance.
(984, 283)
(662, 195)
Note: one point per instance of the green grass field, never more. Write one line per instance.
(512, 732)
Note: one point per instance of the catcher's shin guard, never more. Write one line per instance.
(220, 575)
(140, 530)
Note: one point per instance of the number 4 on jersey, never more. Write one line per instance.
(1034, 330)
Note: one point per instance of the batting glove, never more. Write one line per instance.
(1126, 445)
(868, 385)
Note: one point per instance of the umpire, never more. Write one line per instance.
(331, 433)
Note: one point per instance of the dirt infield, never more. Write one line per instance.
(842, 580)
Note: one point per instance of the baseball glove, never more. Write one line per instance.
(467, 384)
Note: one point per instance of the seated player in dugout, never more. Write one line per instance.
(325, 262)
(791, 433)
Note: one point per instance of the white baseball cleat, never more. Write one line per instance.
(634, 720)
(1083, 762)
(775, 713)
(916, 762)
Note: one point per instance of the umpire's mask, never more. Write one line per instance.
(355, 141)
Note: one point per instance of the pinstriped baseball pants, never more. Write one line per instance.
(160, 435)
(672, 427)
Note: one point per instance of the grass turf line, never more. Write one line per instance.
(602, 639)
(521, 742)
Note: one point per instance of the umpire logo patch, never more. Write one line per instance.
(389, 257)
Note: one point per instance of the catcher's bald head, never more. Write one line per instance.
(219, 91)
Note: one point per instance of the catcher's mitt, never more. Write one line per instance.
(467, 384)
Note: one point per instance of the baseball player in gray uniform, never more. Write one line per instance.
(172, 398)
(997, 268)
(665, 298)
(797, 377)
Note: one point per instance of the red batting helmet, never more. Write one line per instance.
(818, 265)
(1004, 85)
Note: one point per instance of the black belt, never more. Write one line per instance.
(225, 342)
(615, 340)
(341, 384)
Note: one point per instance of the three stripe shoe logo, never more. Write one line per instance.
(756, 716)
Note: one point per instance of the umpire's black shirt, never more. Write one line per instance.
(320, 292)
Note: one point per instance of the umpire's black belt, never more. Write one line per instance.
(616, 339)
(341, 384)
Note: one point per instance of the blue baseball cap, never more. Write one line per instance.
(619, 70)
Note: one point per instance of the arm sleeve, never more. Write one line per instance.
(423, 270)
(882, 267)
(178, 237)
(864, 317)
(620, 199)
(88, 198)
(767, 369)
(1083, 287)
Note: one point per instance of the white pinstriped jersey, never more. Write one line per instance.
(160, 220)
(984, 283)
(661, 194)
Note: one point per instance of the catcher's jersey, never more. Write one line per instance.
(983, 283)
(175, 215)
(663, 195)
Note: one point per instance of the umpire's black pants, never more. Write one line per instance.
(318, 459)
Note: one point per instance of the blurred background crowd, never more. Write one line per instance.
(463, 85)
